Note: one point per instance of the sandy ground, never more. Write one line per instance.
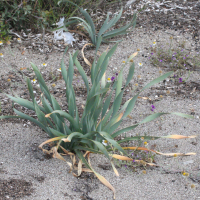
(49, 179)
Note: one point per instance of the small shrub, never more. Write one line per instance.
(21, 15)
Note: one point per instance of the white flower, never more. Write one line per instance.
(19, 40)
(140, 64)
(68, 38)
(44, 65)
(1, 55)
(59, 69)
(61, 22)
(1, 43)
(105, 142)
(59, 34)
(154, 43)
(34, 92)
(34, 81)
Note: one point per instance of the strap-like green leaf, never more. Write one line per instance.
(113, 142)
(89, 20)
(30, 88)
(56, 133)
(106, 105)
(69, 118)
(130, 74)
(107, 25)
(24, 116)
(101, 148)
(82, 73)
(74, 134)
(124, 130)
(117, 103)
(40, 79)
(137, 138)
(119, 83)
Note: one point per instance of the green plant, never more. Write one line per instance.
(104, 32)
(22, 15)
(81, 136)
(95, 131)
(175, 58)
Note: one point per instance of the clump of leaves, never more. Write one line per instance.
(105, 31)
(100, 118)
(96, 130)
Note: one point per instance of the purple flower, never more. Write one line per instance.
(116, 74)
(182, 49)
(125, 165)
(160, 60)
(112, 79)
(183, 58)
(151, 53)
(153, 107)
(133, 160)
(184, 64)
(180, 80)
(187, 55)
(175, 53)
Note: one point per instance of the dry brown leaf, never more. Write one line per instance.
(114, 168)
(144, 98)
(79, 167)
(85, 59)
(164, 154)
(129, 117)
(178, 136)
(106, 183)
